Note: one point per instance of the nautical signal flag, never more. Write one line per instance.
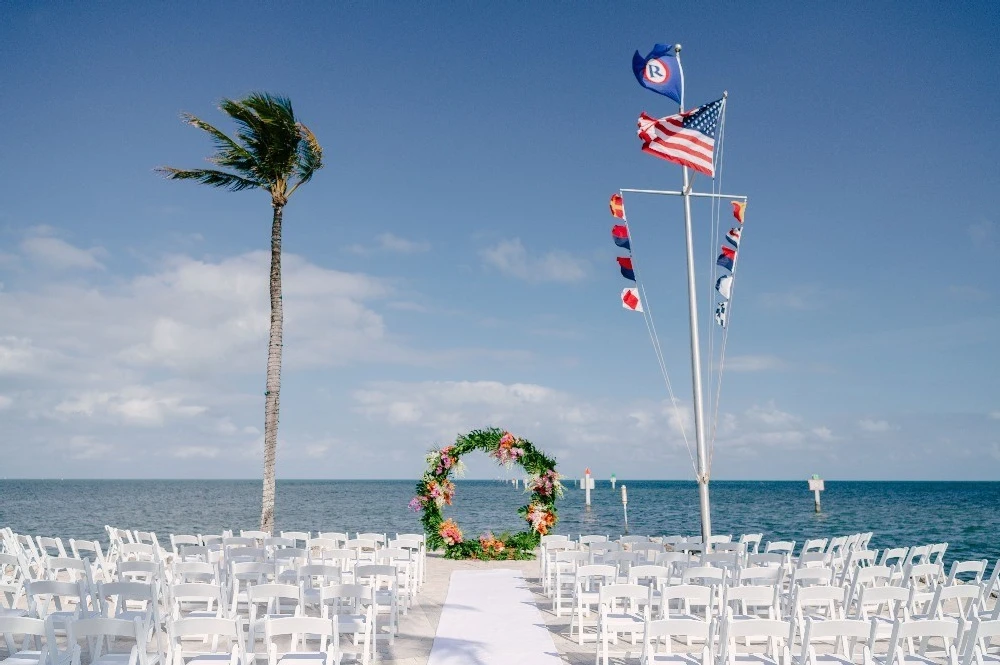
(626, 265)
(686, 138)
(630, 300)
(721, 316)
(617, 205)
(620, 234)
(659, 71)
(724, 285)
(733, 237)
(726, 259)
(739, 207)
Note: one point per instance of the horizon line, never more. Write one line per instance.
(507, 481)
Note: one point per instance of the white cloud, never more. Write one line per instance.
(192, 315)
(394, 243)
(390, 242)
(994, 415)
(136, 405)
(823, 433)
(983, 233)
(88, 447)
(770, 415)
(316, 450)
(59, 254)
(18, 355)
(584, 431)
(511, 258)
(5, 402)
(872, 425)
(188, 452)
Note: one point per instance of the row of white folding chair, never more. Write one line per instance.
(352, 604)
(383, 580)
(303, 641)
(191, 640)
(904, 556)
(779, 603)
(907, 640)
(406, 561)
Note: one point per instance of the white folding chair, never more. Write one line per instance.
(981, 643)
(385, 596)
(190, 600)
(354, 607)
(977, 568)
(775, 633)
(589, 579)
(207, 641)
(909, 641)
(270, 601)
(102, 635)
(842, 634)
(300, 631)
(658, 636)
(33, 647)
(624, 608)
(883, 606)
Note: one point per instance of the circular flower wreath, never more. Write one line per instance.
(435, 490)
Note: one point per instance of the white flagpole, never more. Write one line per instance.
(699, 412)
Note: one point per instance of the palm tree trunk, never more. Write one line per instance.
(273, 377)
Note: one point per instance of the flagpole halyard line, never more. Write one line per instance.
(647, 315)
(657, 347)
(714, 401)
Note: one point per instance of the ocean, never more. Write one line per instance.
(966, 515)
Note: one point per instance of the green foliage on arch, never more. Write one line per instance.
(436, 490)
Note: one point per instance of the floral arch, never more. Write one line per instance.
(436, 490)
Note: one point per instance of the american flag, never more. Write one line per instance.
(687, 138)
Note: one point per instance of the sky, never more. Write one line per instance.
(451, 267)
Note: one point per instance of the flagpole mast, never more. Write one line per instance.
(699, 412)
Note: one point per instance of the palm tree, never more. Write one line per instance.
(273, 152)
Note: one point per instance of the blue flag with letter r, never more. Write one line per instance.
(659, 71)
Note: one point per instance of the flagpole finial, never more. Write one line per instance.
(725, 94)
(677, 48)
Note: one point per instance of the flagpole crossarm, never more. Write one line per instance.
(667, 192)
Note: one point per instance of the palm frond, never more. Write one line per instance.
(270, 150)
(310, 155)
(269, 130)
(229, 154)
(230, 181)
(250, 131)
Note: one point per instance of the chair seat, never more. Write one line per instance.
(624, 620)
(132, 615)
(300, 658)
(22, 658)
(833, 659)
(919, 660)
(754, 659)
(123, 659)
(4, 612)
(200, 614)
(351, 623)
(208, 659)
(678, 658)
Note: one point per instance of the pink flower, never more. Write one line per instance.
(416, 504)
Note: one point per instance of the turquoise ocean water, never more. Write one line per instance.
(964, 514)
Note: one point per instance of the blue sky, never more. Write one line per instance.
(452, 268)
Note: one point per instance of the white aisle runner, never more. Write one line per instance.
(490, 617)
